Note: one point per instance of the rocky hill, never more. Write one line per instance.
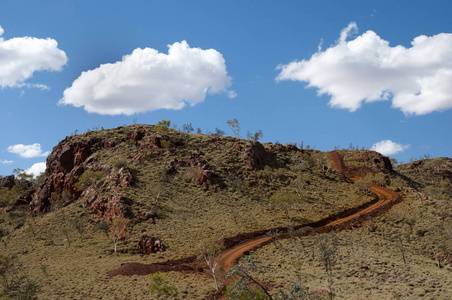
(165, 191)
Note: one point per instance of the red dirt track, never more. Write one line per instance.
(238, 245)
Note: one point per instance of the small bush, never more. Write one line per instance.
(163, 126)
(120, 164)
(14, 284)
(103, 226)
(160, 285)
(88, 178)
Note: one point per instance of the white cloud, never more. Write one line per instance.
(27, 151)
(147, 80)
(388, 147)
(368, 69)
(5, 162)
(20, 57)
(36, 169)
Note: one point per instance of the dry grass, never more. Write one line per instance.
(238, 203)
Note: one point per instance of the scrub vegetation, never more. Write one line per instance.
(189, 188)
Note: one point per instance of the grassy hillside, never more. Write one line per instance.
(403, 254)
(185, 188)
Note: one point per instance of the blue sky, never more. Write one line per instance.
(328, 73)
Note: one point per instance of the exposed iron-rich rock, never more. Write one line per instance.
(150, 141)
(171, 167)
(125, 177)
(136, 136)
(150, 218)
(254, 156)
(203, 170)
(7, 182)
(62, 172)
(378, 161)
(150, 244)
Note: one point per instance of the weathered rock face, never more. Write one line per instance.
(440, 167)
(74, 155)
(254, 156)
(149, 244)
(7, 182)
(204, 171)
(375, 160)
(125, 178)
(108, 206)
(64, 167)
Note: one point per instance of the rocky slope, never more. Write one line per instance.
(176, 189)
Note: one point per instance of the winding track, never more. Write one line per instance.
(385, 198)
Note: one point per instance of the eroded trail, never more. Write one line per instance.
(237, 246)
(385, 197)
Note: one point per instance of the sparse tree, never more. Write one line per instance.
(79, 226)
(326, 244)
(255, 136)
(247, 285)
(66, 232)
(118, 229)
(284, 200)
(296, 292)
(365, 183)
(218, 132)
(211, 253)
(324, 163)
(401, 247)
(299, 185)
(234, 124)
(187, 128)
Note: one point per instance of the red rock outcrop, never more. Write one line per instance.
(204, 171)
(254, 156)
(7, 182)
(150, 244)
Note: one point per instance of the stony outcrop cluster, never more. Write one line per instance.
(254, 156)
(7, 182)
(67, 162)
(204, 171)
(150, 244)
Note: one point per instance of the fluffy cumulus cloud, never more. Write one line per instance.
(20, 57)
(147, 80)
(5, 162)
(36, 169)
(27, 151)
(388, 147)
(367, 69)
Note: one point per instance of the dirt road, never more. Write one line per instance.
(385, 198)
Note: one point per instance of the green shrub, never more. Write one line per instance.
(120, 164)
(234, 293)
(14, 284)
(88, 178)
(163, 126)
(161, 287)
